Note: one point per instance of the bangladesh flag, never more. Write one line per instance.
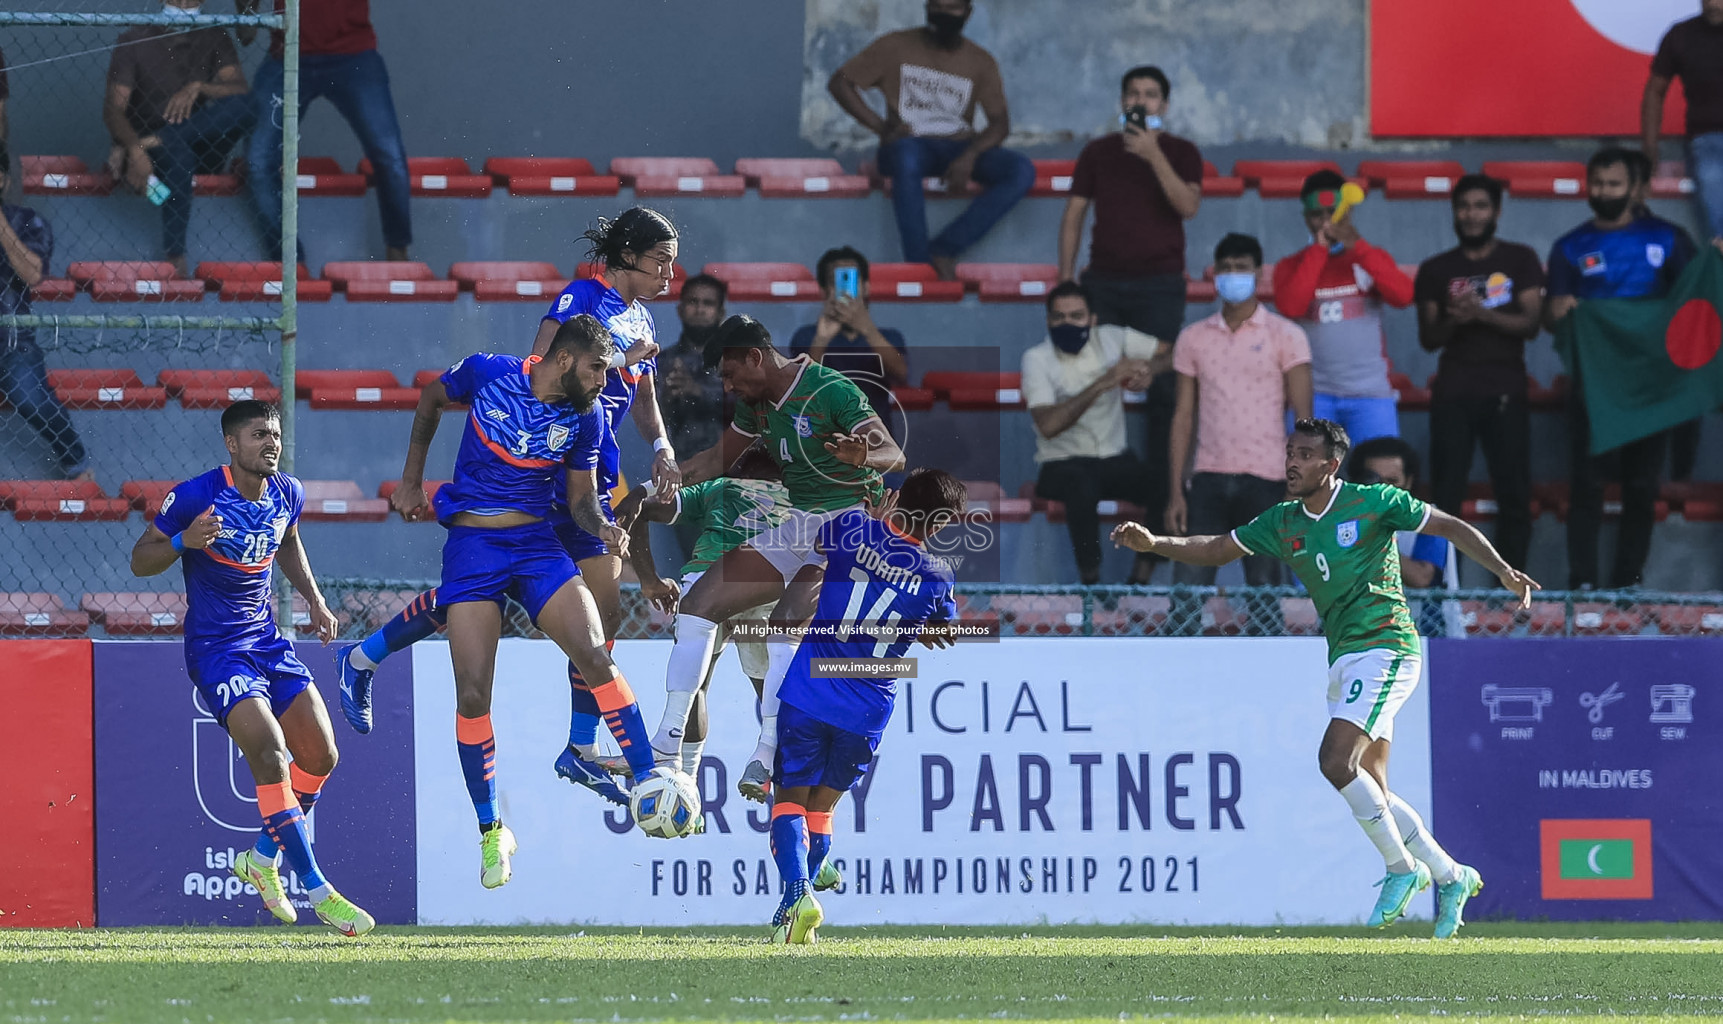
(1596, 858)
(1648, 364)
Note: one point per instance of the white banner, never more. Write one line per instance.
(1033, 780)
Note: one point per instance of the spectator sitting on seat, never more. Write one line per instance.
(1478, 304)
(338, 59)
(1335, 288)
(933, 79)
(690, 395)
(1071, 384)
(1425, 560)
(1239, 371)
(1614, 255)
(175, 107)
(26, 243)
(845, 337)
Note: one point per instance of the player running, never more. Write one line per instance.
(531, 421)
(819, 428)
(881, 587)
(225, 529)
(638, 253)
(1339, 539)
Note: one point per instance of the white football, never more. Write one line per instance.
(666, 804)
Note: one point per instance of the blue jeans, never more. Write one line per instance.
(1363, 418)
(24, 383)
(358, 85)
(197, 145)
(1705, 163)
(1007, 177)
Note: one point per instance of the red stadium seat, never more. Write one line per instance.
(550, 176)
(220, 184)
(354, 389)
(1688, 619)
(1219, 186)
(1132, 615)
(1670, 181)
(767, 282)
(1411, 179)
(1599, 619)
(1053, 177)
(151, 613)
(1552, 496)
(508, 281)
(1699, 502)
(260, 282)
(216, 389)
(986, 496)
(386, 491)
(1541, 179)
(943, 382)
(1280, 179)
(1200, 291)
(910, 282)
(913, 399)
(675, 176)
(342, 501)
(1009, 282)
(39, 614)
(1547, 399)
(801, 178)
(62, 176)
(1039, 614)
(41, 500)
(146, 495)
(439, 177)
(1409, 396)
(322, 176)
(105, 389)
(54, 289)
(1481, 619)
(133, 281)
(375, 607)
(389, 281)
(1300, 616)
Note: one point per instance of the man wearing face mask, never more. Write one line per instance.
(1238, 372)
(1071, 384)
(690, 395)
(1478, 304)
(933, 79)
(1615, 255)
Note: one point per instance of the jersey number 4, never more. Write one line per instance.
(856, 622)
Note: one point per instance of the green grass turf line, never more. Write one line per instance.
(1499, 970)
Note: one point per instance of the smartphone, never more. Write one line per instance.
(846, 282)
(1140, 117)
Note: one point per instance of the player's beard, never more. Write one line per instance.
(1476, 241)
(578, 396)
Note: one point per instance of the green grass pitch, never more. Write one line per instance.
(916, 974)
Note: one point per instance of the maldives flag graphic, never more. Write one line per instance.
(1596, 859)
(1528, 67)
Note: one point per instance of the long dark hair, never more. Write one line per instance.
(635, 230)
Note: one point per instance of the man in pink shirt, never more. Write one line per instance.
(1238, 372)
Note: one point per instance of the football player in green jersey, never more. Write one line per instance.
(1339, 539)
(816, 424)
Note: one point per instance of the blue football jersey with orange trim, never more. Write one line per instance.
(228, 598)
(627, 324)
(515, 449)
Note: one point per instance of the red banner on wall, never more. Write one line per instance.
(47, 804)
(1527, 68)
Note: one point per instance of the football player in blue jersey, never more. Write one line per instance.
(531, 421)
(882, 590)
(637, 252)
(225, 528)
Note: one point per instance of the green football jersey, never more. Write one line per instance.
(821, 402)
(730, 511)
(1347, 559)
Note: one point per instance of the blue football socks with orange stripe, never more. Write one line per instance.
(583, 715)
(421, 618)
(790, 850)
(306, 789)
(478, 748)
(616, 700)
(284, 822)
(819, 840)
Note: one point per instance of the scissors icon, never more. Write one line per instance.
(1596, 702)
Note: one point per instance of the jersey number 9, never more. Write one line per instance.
(1322, 565)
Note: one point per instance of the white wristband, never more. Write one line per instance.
(618, 359)
(662, 444)
(650, 488)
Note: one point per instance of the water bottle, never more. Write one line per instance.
(156, 191)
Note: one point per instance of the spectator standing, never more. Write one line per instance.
(690, 395)
(26, 244)
(1335, 288)
(1692, 51)
(1071, 384)
(176, 105)
(933, 79)
(1238, 372)
(846, 339)
(338, 59)
(1426, 560)
(1615, 255)
(1143, 183)
(1478, 305)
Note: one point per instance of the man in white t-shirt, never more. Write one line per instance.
(933, 79)
(1073, 383)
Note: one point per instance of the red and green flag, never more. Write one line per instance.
(1596, 858)
(1648, 364)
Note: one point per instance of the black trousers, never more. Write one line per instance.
(1217, 503)
(1156, 306)
(1083, 483)
(1501, 425)
(1640, 463)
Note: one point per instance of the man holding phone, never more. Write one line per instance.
(845, 337)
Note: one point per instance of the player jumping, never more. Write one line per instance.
(1339, 539)
(531, 421)
(225, 529)
(881, 587)
(819, 428)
